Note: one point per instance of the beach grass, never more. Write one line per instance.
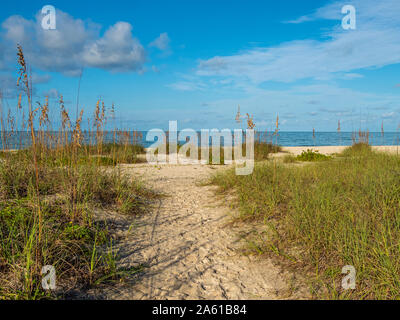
(51, 193)
(262, 151)
(318, 218)
(311, 156)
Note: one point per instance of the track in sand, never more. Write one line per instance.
(188, 250)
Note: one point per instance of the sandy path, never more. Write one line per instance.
(189, 250)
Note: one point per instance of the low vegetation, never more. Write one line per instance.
(311, 156)
(316, 219)
(262, 151)
(50, 193)
(357, 149)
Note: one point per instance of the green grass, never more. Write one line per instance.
(357, 149)
(321, 217)
(289, 158)
(311, 156)
(51, 194)
(107, 155)
(262, 151)
(66, 245)
(77, 245)
(112, 154)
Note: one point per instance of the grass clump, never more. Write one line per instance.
(311, 156)
(357, 149)
(322, 217)
(50, 196)
(112, 154)
(289, 158)
(67, 245)
(77, 245)
(262, 151)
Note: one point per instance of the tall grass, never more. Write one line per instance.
(321, 217)
(50, 191)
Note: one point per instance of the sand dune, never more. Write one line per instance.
(189, 251)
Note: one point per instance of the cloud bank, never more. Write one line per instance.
(74, 45)
(375, 43)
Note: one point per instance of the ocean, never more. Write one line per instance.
(18, 140)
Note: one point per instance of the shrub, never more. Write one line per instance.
(311, 155)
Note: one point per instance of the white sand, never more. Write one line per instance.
(337, 149)
(190, 251)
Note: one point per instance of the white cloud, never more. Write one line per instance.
(52, 94)
(331, 11)
(309, 68)
(299, 20)
(367, 11)
(186, 86)
(375, 43)
(162, 42)
(329, 103)
(8, 84)
(388, 115)
(72, 46)
(352, 76)
(117, 50)
(40, 78)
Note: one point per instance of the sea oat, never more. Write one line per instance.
(250, 123)
(238, 116)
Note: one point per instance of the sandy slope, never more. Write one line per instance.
(189, 250)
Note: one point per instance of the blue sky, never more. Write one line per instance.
(196, 61)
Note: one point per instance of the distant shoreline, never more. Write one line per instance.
(296, 150)
(284, 138)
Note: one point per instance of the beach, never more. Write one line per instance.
(189, 244)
